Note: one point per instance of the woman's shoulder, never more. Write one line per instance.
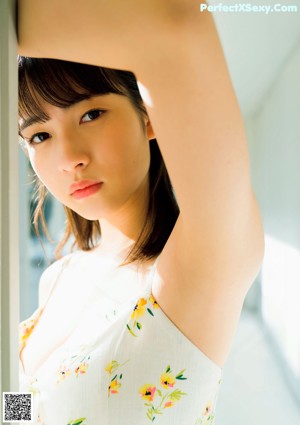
(50, 274)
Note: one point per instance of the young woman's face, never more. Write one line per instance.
(98, 142)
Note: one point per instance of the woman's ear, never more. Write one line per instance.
(149, 130)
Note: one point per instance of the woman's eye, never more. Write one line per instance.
(39, 138)
(91, 115)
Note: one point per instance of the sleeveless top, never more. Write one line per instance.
(124, 362)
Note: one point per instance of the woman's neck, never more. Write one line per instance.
(113, 241)
(121, 230)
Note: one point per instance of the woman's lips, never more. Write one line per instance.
(87, 191)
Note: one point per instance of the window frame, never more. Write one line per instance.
(9, 202)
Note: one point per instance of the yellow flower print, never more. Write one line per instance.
(208, 412)
(168, 399)
(208, 417)
(167, 380)
(111, 365)
(114, 387)
(153, 301)
(139, 309)
(77, 363)
(208, 409)
(82, 368)
(26, 327)
(115, 384)
(63, 373)
(25, 331)
(147, 392)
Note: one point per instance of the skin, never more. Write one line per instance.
(216, 248)
(109, 146)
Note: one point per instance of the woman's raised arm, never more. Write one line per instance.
(109, 33)
(216, 248)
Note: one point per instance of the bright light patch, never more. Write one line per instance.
(145, 94)
(281, 297)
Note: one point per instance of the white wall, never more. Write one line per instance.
(261, 378)
(274, 142)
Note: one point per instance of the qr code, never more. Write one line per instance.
(17, 407)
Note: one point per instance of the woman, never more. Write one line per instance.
(146, 341)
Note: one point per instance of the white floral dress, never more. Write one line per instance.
(128, 364)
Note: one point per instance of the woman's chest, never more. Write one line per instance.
(62, 315)
(79, 307)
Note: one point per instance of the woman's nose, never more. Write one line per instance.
(71, 152)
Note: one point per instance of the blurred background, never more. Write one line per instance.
(261, 381)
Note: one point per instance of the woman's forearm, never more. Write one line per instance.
(112, 33)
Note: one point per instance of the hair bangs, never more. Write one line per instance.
(61, 83)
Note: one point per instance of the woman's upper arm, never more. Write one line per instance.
(113, 34)
(185, 84)
(219, 238)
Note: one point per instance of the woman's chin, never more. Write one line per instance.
(90, 217)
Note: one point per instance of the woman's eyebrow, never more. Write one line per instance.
(27, 122)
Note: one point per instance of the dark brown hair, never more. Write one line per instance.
(63, 83)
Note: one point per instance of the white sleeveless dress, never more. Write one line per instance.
(124, 362)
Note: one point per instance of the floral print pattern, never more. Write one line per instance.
(26, 327)
(151, 393)
(79, 365)
(208, 417)
(39, 420)
(142, 306)
(208, 413)
(33, 386)
(115, 382)
(157, 396)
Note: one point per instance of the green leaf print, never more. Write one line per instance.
(206, 421)
(76, 421)
(176, 395)
(180, 375)
(149, 416)
(115, 382)
(128, 327)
